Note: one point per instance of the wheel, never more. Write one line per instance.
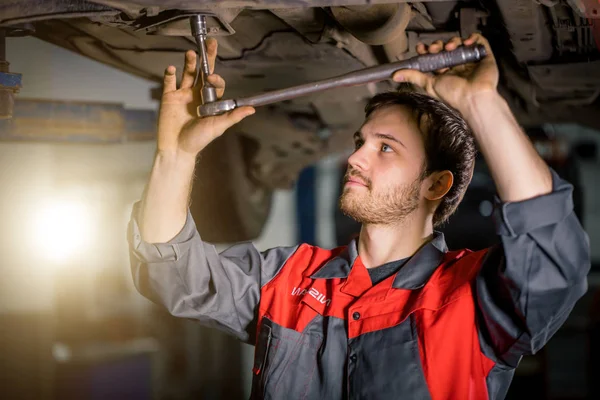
(227, 205)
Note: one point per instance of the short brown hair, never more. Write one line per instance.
(449, 143)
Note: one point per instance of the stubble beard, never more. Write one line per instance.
(388, 207)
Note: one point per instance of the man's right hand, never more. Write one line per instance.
(180, 131)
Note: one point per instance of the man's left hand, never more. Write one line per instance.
(457, 86)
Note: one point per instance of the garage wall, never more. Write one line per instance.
(53, 73)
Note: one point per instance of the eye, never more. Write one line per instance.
(385, 148)
(357, 144)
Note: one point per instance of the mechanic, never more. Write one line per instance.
(394, 314)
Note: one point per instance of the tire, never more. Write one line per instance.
(226, 204)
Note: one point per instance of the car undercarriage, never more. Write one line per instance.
(546, 50)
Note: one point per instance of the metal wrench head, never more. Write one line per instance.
(208, 94)
(216, 108)
(198, 26)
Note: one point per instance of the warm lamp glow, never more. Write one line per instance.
(62, 229)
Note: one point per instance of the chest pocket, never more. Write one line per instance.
(285, 362)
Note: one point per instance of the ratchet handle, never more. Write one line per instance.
(448, 59)
(423, 63)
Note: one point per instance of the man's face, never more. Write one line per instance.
(383, 182)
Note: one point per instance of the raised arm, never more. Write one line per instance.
(518, 171)
(170, 263)
(527, 285)
(181, 137)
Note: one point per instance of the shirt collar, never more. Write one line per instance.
(339, 266)
(413, 274)
(419, 268)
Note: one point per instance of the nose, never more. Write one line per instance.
(359, 159)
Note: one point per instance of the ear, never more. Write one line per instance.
(438, 184)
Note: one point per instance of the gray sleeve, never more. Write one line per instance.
(528, 285)
(192, 280)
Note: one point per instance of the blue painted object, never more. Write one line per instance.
(306, 206)
(10, 81)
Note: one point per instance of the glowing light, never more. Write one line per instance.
(62, 229)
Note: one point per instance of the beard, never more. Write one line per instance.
(385, 207)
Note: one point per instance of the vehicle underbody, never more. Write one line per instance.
(549, 61)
